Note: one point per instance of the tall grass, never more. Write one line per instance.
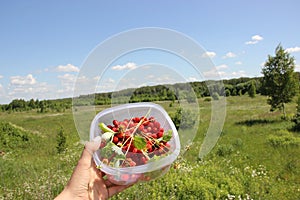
(251, 160)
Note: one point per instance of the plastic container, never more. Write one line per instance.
(144, 172)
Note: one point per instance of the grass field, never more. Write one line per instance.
(256, 157)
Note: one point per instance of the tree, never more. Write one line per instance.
(279, 81)
(252, 90)
(296, 118)
(60, 141)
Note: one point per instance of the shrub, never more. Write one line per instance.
(184, 118)
(283, 139)
(296, 118)
(207, 99)
(224, 150)
(215, 96)
(61, 141)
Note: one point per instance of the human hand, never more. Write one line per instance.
(87, 181)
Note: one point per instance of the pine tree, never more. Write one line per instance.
(252, 90)
(61, 141)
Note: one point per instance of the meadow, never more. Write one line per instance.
(256, 157)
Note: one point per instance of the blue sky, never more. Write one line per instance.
(44, 44)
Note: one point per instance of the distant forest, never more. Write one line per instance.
(171, 92)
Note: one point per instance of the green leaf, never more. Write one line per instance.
(139, 142)
(104, 128)
(167, 137)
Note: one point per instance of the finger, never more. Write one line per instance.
(87, 153)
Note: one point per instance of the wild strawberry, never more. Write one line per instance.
(115, 123)
(149, 129)
(134, 150)
(157, 124)
(160, 134)
(120, 135)
(146, 123)
(141, 127)
(136, 120)
(115, 139)
(144, 160)
(132, 163)
(110, 126)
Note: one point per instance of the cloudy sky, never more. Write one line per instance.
(44, 44)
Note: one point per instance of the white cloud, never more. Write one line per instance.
(223, 66)
(229, 55)
(1, 76)
(23, 80)
(220, 72)
(238, 63)
(129, 66)
(240, 73)
(192, 79)
(106, 85)
(67, 83)
(254, 39)
(293, 49)
(66, 68)
(209, 54)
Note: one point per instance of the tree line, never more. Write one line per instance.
(171, 92)
(279, 82)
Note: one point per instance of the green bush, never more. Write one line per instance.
(296, 118)
(12, 137)
(225, 150)
(207, 99)
(184, 118)
(283, 138)
(215, 96)
(61, 141)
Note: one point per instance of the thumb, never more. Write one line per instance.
(89, 149)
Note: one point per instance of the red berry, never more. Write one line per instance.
(149, 129)
(157, 124)
(168, 145)
(154, 135)
(110, 126)
(146, 123)
(160, 134)
(134, 150)
(144, 160)
(115, 123)
(132, 163)
(115, 139)
(136, 120)
(141, 127)
(151, 124)
(149, 146)
(120, 135)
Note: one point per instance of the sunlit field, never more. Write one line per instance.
(256, 157)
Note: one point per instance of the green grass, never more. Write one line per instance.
(244, 163)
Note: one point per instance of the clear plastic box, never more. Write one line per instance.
(144, 172)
